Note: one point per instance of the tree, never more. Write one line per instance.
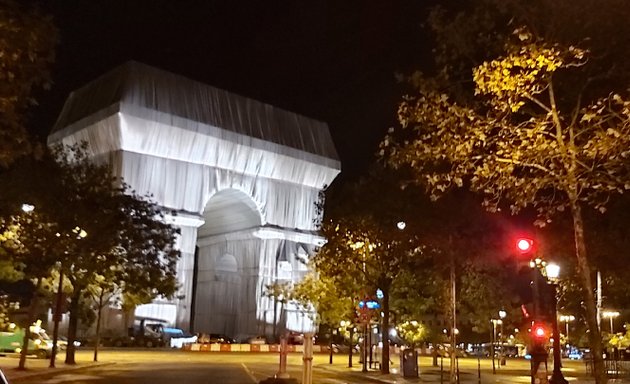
(522, 143)
(331, 298)
(326, 295)
(35, 258)
(131, 244)
(412, 332)
(279, 293)
(27, 47)
(102, 292)
(365, 249)
(100, 228)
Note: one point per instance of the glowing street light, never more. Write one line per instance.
(611, 315)
(566, 319)
(552, 271)
(28, 208)
(401, 225)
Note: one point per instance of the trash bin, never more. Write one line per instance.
(409, 363)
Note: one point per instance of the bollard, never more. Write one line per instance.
(282, 371)
(478, 370)
(307, 359)
(282, 377)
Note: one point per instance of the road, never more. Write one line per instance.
(164, 367)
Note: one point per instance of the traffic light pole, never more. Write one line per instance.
(539, 353)
(556, 377)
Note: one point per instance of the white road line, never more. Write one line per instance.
(249, 373)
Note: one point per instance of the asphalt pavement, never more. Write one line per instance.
(472, 371)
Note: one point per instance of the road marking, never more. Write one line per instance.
(65, 378)
(249, 373)
(332, 381)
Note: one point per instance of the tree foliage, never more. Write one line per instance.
(27, 50)
(366, 250)
(90, 225)
(519, 142)
(325, 294)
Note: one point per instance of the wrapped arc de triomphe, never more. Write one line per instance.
(242, 176)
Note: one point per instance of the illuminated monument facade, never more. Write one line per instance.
(243, 176)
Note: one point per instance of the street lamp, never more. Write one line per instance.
(611, 315)
(566, 319)
(502, 315)
(494, 322)
(27, 208)
(553, 272)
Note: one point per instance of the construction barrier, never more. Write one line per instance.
(196, 347)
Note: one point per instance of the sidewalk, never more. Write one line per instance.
(39, 367)
(431, 374)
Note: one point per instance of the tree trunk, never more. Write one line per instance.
(98, 323)
(72, 325)
(32, 308)
(587, 285)
(57, 319)
(385, 332)
(453, 374)
(275, 319)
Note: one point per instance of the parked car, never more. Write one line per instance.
(215, 338)
(295, 338)
(258, 340)
(344, 348)
(62, 343)
(176, 338)
(444, 351)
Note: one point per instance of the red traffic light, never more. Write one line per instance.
(524, 245)
(539, 331)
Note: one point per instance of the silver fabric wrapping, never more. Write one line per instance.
(243, 176)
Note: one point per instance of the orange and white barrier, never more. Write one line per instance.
(197, 347)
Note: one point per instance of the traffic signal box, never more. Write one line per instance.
(540, 334)
(534, 292)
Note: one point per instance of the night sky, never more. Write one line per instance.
(333, 60)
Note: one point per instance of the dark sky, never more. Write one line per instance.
(331, 60)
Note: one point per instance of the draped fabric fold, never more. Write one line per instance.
(250, 171)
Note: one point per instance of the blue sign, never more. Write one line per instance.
(369, 304)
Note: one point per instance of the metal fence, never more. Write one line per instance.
(614, 368)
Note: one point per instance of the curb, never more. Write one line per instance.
(15, 375)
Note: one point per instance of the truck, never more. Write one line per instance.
(150, 332)
(145, 332)
(39, 343)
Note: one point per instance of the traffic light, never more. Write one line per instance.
(540, 334)
(524, 245)
(539, 331)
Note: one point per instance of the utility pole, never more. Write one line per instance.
(454, 378)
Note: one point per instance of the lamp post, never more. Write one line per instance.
(348, 326)
(567, 319)
(494, 322)
(502, 315)
(553, 271)
(611, 315)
